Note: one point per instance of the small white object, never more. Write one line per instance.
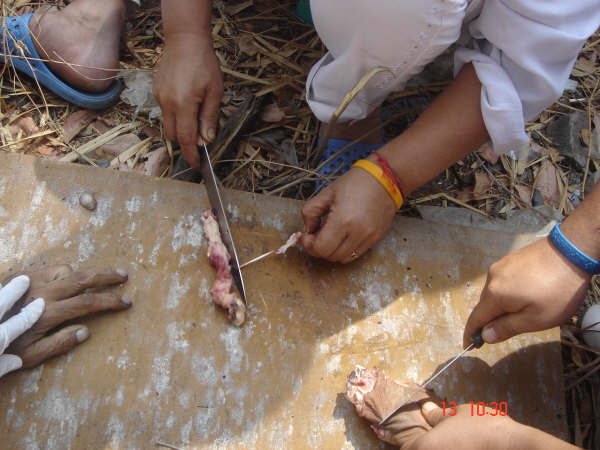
(88, 201)
(17, 324)
(591, 326)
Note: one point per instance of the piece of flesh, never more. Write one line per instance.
(291, 242)
(218, 256)
(374, 396)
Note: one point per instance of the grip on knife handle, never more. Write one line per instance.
(477, 339)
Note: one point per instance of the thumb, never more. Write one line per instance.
(505, 327)
(315, 209)
(8, 363)
(432, 413)
(209, 114)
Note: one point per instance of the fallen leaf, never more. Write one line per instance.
(465, 195)
(246, 44)
(488, 154)
(483, 182)
(45, 150)
(547, 183)
(118, 145)
(100, 126)
(524, 192)
(272, 113)
(26, 125)
(77, 122)
(151, 132)
(157, 162)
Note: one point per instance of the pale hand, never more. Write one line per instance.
(16, 325)
(531, 289)
(357, 212)
(188, 86)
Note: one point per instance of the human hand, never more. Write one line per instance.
(65, 294)
(531, 289)
(461, 430)
(358, 212)
(16, 325)
(189, 82)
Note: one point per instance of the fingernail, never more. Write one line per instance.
(429, 407)
(489, 335)
(211, 134)
(126, 300)
(122, 272)
(82, 334)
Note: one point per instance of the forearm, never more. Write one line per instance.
(451, 128)
(186, 17)
(534, 439)
(582, 227)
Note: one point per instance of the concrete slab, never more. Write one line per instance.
(171, 368)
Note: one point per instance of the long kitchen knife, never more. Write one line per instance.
(210, 181)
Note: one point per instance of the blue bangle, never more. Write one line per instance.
(572, 253)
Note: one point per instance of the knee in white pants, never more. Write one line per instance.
(402, 36)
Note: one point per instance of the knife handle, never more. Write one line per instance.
(477, 340)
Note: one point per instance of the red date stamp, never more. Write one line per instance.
(478, 408)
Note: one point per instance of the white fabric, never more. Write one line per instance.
(17, 324)
(523, 52)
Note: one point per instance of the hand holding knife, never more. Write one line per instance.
(476, 342)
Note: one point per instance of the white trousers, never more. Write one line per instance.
(360, 35)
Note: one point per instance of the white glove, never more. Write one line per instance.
(17, 324)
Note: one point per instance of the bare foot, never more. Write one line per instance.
(86, 34)
(375, 396)
(356, 129)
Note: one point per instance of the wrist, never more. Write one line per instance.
(583, 234)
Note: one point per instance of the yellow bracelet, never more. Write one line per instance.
(377, 172)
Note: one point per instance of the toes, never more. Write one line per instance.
(54, 345)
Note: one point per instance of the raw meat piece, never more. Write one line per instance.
(375, 396)
(291, 242)
(219, 257)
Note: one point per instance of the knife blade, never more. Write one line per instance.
(476, 342)
(214, 197)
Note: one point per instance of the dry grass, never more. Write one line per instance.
(266, 53)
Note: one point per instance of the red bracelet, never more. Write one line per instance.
(387, 170)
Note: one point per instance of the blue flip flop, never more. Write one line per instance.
(17, 32)
(343, 162)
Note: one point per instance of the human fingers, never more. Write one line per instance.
(484, 312)
(327, 240)
(77, 282)
(358, 250)
(8, 363)
(348, 249)
(19, 323)
(56, 344)
(81, 305)
(169, 128)
(48, 274)
(506, 326)
(432, 413)
(42, 276)
(210, 112)
(314, 210)
(12, 292)
(186, 122)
